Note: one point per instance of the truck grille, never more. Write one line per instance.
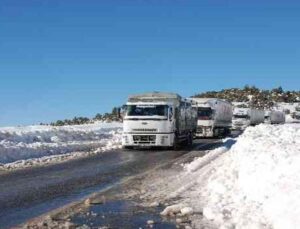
(144, 130)
(144, 139)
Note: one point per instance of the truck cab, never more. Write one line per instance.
(148, 124)
(205, 121)
(214, 117)
(157, 119)
(241, 118)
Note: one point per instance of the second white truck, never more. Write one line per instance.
(214, 117)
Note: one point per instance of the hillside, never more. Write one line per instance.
(254, 96)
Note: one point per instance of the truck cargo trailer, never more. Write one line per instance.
(275, 117)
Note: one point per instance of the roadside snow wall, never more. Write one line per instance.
(256, 184)
(35, 142)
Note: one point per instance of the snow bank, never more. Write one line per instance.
(24, 146)
(256, 184)
(289, 119)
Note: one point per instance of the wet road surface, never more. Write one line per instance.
(28, 193)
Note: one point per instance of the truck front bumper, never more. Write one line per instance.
(148, 140)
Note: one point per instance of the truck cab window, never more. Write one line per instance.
(140, 110)
(205, 113)
(240, 116)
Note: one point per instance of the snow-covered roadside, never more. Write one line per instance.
(255, 184)
(289, 119)
(37, 145)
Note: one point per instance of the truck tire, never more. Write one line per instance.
(190, 139)
(228, 132)
(215, 133)
(176, 145)
(219, 133)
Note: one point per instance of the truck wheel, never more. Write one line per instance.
(224, 132)
(190, 139)
(215, 133)
(176, 145)
(227, 132)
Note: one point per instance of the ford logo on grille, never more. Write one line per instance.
(144, 123)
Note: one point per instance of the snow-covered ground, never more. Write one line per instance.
(288, 106)
(254, 183)
(35, 145)
(293, 108)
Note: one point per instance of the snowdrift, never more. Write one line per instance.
(255, 183)
(33, 144)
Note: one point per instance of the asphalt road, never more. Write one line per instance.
(28, 193)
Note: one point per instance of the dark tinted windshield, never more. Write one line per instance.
(140, 110)
(204, 113)
(241, 116)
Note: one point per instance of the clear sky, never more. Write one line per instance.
(60, 59)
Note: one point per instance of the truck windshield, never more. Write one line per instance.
(147, 110)
(204, 113)
(241, 116)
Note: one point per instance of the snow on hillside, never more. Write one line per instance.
(288, 106)
(253, 184)
(25, 146)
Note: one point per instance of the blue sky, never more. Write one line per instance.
(60, 59)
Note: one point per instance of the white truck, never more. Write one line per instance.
(275, 117)
(214, 117)
(158, 119)
(244, 117)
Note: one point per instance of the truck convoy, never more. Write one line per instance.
(244, 117)
(274, 117)
(214, 117)
(158, 119)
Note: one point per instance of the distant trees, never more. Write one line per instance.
(278, 90)
(58, 123)
(98, 117)
(254, 96)
(113, 116)
(74, 121)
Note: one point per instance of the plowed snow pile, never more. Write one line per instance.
(255, 184)
(27, 146)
